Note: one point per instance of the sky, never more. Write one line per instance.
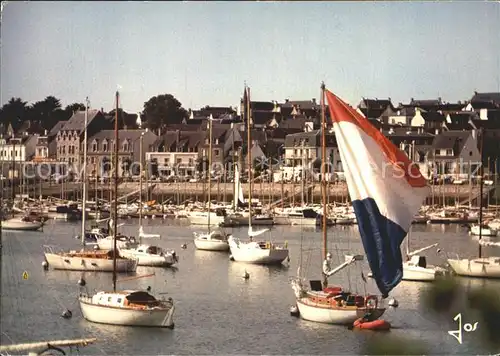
(204, 52)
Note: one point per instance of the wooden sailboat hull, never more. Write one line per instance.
(487, 267)
(211, 244)
(342, 316)
(126, 316)
(57, 261)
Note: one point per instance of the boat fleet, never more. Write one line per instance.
(383, 209)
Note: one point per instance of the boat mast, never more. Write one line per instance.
(323, 173)
(209, 165)
(84, 192)
(481, 183)
(115, 206)
(140, 189)
(249, 156)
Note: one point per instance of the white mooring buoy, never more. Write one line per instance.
(393, 303)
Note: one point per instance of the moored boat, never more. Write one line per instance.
(127, 308)
(148, 255)
(97, 261)
(21, 224)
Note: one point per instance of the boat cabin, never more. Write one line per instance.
(335, 297)
(124, 299)
(418, 261)
(150, 250)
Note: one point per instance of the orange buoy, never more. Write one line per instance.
(378, 324)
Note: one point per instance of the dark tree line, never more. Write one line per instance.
(158, 112)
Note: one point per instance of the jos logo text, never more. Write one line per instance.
(467, 327)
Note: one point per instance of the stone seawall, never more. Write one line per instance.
(265, 191)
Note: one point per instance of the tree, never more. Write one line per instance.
(71, 108)
(46, 112)
(14, 112)
(163, 109)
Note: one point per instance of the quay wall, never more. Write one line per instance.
(265, 192)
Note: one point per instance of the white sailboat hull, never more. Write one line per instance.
(89, 264)
(417, 273)
(203, 220)
(327, 315)
(487, 267)
(476, 230)
(108, 244)
(302, 221)
(144, 259)
(246, 252)
(18, 224)
(211, 245)
(126, 316)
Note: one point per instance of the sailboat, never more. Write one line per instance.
(147, 255)
(415, 268)
(102, 261)
(260, 252)
(384, 208)
(485, 267)
(213, 240)
(126, 307)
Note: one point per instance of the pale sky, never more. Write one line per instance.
(203, 52)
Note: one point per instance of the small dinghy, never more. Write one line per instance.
(377, 324)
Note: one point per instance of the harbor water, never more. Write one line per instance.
(217, 310)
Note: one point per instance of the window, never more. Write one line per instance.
(437, 152)
(119, 300)
(125, 147)
(105, 146)
(166, 161)
(179, 160)
(94, 146)
(109, 299)
(191, 161)
(449, 152)
(216, 152)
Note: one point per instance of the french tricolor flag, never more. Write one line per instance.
(385, 187)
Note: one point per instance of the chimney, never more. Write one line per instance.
(439, 99)
(314, 101)
(102, 109)
(287, 100)
(475, 92)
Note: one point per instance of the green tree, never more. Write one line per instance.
(163, 109)
(46, 112)
(71, 108)
(14, 112)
